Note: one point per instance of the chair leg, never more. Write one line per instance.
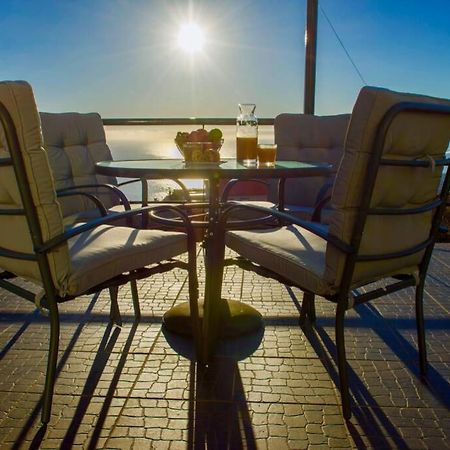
(421, 329)
(114, 314)
(308, 309)
(135, 296)
(342, 361)
(51, 363)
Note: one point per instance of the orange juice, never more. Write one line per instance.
(267, 154)
(246, 148)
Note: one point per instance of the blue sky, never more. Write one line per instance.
(119, 57)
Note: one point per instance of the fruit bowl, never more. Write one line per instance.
(200, 151)
(200, 146)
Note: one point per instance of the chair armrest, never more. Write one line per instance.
(101, 208)
(323, 191)
(317, 212)
(134, 180)
(114, 189)
(287, 218)
(233, 182)
(321, 199)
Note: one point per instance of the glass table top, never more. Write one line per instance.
(226, 168)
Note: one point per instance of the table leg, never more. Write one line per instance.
(220, 317)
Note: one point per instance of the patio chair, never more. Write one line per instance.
(387, 203)
(83, 259)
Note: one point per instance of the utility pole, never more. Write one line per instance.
(310, 56)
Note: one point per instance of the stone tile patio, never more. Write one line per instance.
(136, 387)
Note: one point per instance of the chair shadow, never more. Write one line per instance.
(29, 320)
(436, 384)
(373, 421)
(103, 414)
(367, 413)
(40, 434)
(103, 353)
(218, 414)
(97, 367)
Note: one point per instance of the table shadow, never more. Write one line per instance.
(218, 414)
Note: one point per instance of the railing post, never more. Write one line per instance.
(310, 56)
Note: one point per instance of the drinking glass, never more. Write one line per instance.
(267, 154)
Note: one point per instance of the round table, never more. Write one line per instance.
(219, 316)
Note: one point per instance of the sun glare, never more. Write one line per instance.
(191, 38)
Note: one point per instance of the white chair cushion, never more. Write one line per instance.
(291, 251)
(108, 251)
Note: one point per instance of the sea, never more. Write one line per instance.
(151, 141)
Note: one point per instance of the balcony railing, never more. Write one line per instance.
(180, 121)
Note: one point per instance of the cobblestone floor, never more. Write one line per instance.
(136, 386)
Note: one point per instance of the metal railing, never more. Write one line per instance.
(180, 121)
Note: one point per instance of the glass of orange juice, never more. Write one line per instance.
(267, 154)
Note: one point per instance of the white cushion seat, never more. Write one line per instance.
(107, 251)
(290, 251)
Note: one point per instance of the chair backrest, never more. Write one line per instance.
(302, 137)
(410, 136)
(36, 192)
(74, 143)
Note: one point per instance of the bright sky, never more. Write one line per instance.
(122, 58)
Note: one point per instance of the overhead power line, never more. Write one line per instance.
(343, 46)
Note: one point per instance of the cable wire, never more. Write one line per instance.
(343, 46)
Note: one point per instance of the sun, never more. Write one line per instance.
(191, 38)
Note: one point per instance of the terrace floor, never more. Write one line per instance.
(135, 386)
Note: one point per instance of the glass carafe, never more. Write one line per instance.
(246, 134)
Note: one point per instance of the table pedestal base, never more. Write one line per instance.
(238, 318)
